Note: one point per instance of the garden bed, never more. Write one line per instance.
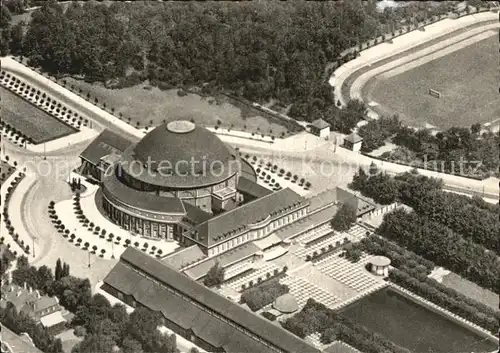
(30, 120)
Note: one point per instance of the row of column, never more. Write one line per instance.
(138, 225)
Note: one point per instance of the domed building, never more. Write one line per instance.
(180, 182)
(176, 167)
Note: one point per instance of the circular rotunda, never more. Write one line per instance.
(151, 187)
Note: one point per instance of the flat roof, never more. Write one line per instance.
(250, 187)
(224, 259)
(52, 319)
(105, 143)
(184, 257)
(119, 278)
(307, 222)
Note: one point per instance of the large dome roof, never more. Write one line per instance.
(194, 154)
(181, 141)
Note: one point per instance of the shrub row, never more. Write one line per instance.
(438, 243)
(269, 276)
(6, 218)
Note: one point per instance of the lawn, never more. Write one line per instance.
(30, 120)
(5, 171)
(468, 82)
(151, 106)
(471, 290)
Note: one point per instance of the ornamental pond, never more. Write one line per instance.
(413, 326)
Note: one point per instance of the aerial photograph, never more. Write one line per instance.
(255, 176)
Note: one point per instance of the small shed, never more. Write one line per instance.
(380, 265)
(320, 128)
(353, 142)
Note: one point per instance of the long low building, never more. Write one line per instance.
(195, 312)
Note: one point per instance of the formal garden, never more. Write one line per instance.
(85, 234)
(271, 174)
(30, 123)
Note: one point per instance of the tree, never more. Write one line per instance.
(5, 17)
(215, 276)
(45, 278)
(65, 270)
(130, 345)
(58, 270)
(94, 343)
(344, 218)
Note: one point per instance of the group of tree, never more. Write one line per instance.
(11, 36)
(332, 326)
(215, 276)
(19, 322)
(457, 150)
(109, 328)
(438, 243)
(254, 50)
(377, 132)
(344, 218)
(71, 291)
(411, 271)
(471, 217)
(263, 294)
(5, 263)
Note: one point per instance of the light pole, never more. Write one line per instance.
(33, 247)
(89, 257)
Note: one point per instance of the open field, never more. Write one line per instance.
(30, 120)
(5, 171)
(146, 105)
(471, 290)
(467, 80)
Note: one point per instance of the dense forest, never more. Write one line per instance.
(258, 50)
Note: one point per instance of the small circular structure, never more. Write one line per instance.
(180, 126)
(380, 265)
(286, 304)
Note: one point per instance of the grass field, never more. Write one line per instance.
(468, 82)
(30, 120)
(146, 105)
(5, 171)
(471, 290)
